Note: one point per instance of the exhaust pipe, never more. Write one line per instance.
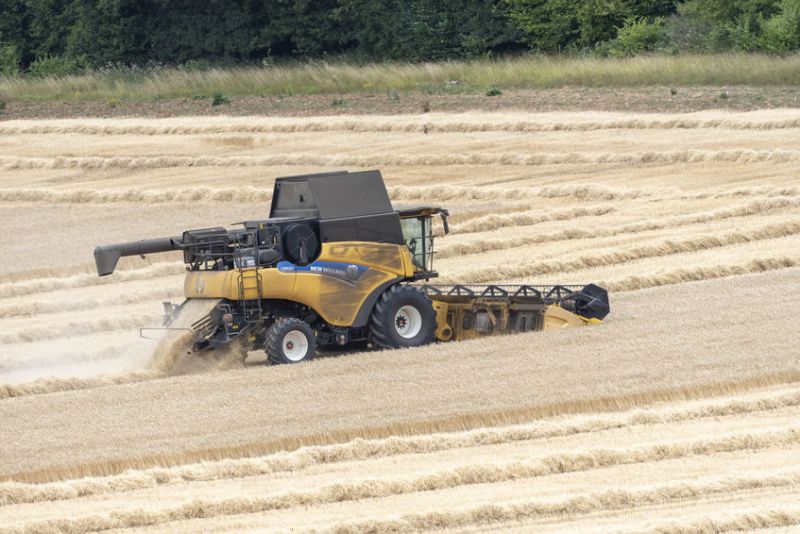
(107, 256)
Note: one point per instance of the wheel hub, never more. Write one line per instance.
(295, 345)
(408, 321)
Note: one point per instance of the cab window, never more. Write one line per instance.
(417, 235)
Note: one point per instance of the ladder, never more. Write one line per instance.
(249, 282)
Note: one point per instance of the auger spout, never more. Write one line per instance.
(107, 256)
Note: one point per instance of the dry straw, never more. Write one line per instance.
(740, 155)
(306, 457)
(485, 514)
(454, 423)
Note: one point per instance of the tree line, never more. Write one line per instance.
(43, 37)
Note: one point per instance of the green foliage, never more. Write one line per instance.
(424, 29)
(638, 36)
(57, 37)
(494, 91)
(563, 24)
(782, 31)
(218, 99)
(54, 66)
(548, 25)
(473, 77)
(9, 59)
(2, 105)
(724, 25)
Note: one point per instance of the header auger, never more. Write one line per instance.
(336, 264)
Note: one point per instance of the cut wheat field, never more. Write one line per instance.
(681, 413)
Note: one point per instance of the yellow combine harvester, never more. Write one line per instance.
(336, 264)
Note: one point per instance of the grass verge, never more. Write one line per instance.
(479, 76)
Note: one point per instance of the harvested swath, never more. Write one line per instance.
(664, 248)
(514, 159)
(774, 518)
(96, 196)
(53, 385)
(77, 328)
(396, 193)
(593, 502)
(45, 307)
(430, 123)
(460, 193)
(63, 271)
(16, 492)
(322, 442)
(250, 194)
(527, 218)
(47, 359)
(617, 498)
(696, 274)
(28, 287)
(756, 207)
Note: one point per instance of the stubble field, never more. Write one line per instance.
(679, 413)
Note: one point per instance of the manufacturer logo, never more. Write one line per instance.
(348, 272)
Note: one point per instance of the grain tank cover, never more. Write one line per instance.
(334, 195)
(349, 206)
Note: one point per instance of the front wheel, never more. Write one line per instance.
(290, 340)
(403, 317)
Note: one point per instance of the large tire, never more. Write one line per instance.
(402, 317)
(290, 340)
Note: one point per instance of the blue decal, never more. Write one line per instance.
(349, 272)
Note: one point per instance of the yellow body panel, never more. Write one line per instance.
(450, 319)
(444, 332)
(556, 317)
(335, 285)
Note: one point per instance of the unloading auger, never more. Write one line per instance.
(336, 264)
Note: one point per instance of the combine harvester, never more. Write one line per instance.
(335, 264)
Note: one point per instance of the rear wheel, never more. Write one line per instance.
(290, 340)
(403, 317)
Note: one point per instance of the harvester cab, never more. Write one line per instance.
(335, 264)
